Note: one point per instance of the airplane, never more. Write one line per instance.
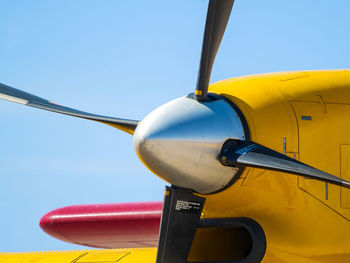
(250, 132)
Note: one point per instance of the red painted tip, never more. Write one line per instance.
(106, 225)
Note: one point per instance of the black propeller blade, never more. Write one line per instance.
(217, 17)
(15, 95)
(255, 155)
(180, 218)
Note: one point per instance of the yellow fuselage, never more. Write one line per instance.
(304, 220)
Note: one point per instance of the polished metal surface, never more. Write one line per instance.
(180, 142)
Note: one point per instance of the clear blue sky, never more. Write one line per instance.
(123, 59)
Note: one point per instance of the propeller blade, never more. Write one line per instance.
(255, 155)
(15, 95)
(180, 218)
(217, 17)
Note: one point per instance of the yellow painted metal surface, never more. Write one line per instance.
(345, 174)
(323, 138)
(300, 225)
(120, 127)
(135, 255)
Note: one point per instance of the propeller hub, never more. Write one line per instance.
(181, 140)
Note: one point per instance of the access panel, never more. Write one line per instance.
(324, 139)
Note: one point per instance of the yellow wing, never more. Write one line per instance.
(132, 255)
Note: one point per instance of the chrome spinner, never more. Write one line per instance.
(180, 142)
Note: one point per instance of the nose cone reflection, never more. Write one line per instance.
(181, 140)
